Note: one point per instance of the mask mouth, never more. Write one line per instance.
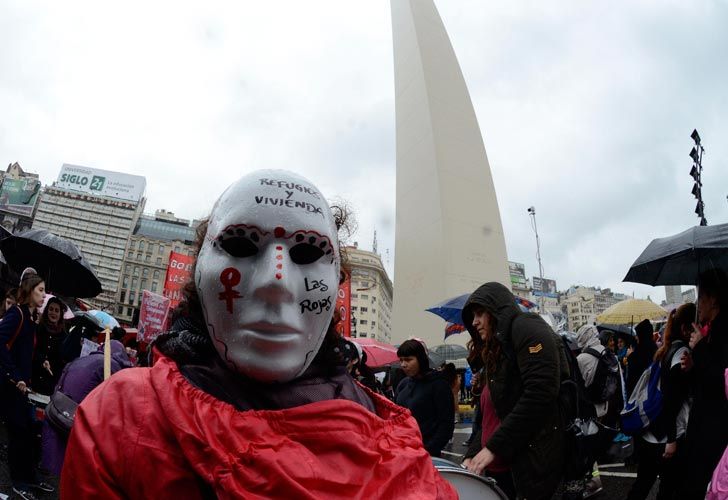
(270, 328)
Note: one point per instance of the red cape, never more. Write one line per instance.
(148, 433)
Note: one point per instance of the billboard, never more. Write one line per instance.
(518, 274)
(18, 196)
(99, 182)
(544, 288)
(179, 272)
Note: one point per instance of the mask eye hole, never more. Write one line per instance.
(305, 253)
(239, 246)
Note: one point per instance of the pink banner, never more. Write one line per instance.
(179, 272)
(152, 316)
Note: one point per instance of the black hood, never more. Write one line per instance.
(498, 301)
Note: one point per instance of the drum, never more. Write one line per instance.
(39, 402)
(468, 485)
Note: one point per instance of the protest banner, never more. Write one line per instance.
(152, 316)
(179, 271)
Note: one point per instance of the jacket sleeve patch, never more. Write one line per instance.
(535, 349)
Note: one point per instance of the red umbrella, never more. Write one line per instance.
(378, 353)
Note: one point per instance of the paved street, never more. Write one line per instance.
(616, 478)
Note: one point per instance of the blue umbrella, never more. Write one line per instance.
(105, 319)
(451, 310)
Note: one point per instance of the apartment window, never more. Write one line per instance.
(136, 270)
(144, 283)
(156, 274)
(176, 248)
(122, 298)
(362, 322)
(154, 286)
(132, 296)
(120, 310)
(159, 261)
(134, 282)
(354, 295)
(141, 245)
(364, 296)
(130, 254)
(373, 310)
(353, 308)
(129, 311)
(139, 256)
(364, 309)
(161, 248)
(148, 258)
(125, 282)
(374, 323)
(145, 272)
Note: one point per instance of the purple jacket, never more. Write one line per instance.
(79, 378)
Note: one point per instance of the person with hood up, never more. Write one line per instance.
(587, 337)
(639, 357)
(77, 380)
(524, 367)
(248, 396)
(426, 394)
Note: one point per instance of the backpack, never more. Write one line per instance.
(606, 378)
(645, 403)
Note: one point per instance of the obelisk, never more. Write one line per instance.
(448, 233)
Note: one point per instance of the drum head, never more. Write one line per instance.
(441, 462)
(471, 486)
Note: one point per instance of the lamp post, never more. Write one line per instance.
(532, 214)
(696, 153)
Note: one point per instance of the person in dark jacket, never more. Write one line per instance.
(48, 362)
(661, 448)
(707, 434)
(523, 371)
(79, 378)
(427, 395)
(17, 340)
(640, 357)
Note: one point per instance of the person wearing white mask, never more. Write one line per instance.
(249, 396)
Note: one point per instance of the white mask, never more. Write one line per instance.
(267, 274)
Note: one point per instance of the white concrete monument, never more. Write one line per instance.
(449, 238)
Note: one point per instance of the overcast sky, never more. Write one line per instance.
(586, 109)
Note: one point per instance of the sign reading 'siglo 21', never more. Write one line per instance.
(99, 182)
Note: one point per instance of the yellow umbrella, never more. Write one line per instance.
(631, 311)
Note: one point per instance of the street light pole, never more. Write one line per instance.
(532, 213)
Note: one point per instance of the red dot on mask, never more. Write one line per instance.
(279, 248)
(279, 257)
(279, 232)
(279, 266)
(279, 276)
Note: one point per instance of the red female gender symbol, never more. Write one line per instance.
(229, 277)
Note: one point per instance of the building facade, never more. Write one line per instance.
(448, 233)
(97, 210)
(519, 283)
(147, 257)
(584, 304)
(371, 295)
(19, 193)
(673, 294)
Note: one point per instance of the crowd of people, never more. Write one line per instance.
(254, 393)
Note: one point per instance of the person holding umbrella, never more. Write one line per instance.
(707, 434)
(17, 341)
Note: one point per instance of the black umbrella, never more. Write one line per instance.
(680, 259)
(56, 259)
(451, 352)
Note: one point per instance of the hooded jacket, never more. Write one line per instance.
(430, 400)
(588, 337)
(524, 390)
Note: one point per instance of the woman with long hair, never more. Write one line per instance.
(48, 362)
(661, 448)
(17, 341)
(249, 396)
(11, 298)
